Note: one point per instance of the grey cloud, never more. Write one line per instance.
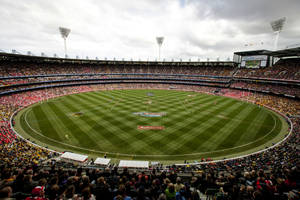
(222, 45)
(33, 25)
(136, 42)
(254, 13)
(244, 10)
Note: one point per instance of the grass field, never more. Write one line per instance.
(186, 125)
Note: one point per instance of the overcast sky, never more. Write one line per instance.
(127, 28)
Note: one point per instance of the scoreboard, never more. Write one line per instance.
(254, 61)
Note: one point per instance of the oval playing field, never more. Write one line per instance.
(151, 125)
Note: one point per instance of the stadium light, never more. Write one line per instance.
(277, 27)
(64, 34)
(29, 53)
(292, 46)
(15, 51)
(159, 41)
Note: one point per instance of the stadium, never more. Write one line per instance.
(84, 128)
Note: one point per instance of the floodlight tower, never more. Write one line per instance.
(159, 41)
(64, 34)
(277, 27)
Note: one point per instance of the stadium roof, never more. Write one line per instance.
(280, 53)
(286, 52)
(253, 53)
(40, 59)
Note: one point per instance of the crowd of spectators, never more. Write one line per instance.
(10, 73)
(28, 69)
(287, 69)
(137, 80)
(292, 90)
(272, 174)
(84, 73)
(289, 107)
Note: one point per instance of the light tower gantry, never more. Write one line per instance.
(64, 34)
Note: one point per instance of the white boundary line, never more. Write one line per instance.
(13, 129)
(164, 154)
(149, 155)
(25, 106)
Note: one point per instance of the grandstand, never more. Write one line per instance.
(269, 173)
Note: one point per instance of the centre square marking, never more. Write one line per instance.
(151, 127)
(146, 114)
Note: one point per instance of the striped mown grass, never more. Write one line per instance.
(195, 125)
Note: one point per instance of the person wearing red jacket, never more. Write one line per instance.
(38, 193)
